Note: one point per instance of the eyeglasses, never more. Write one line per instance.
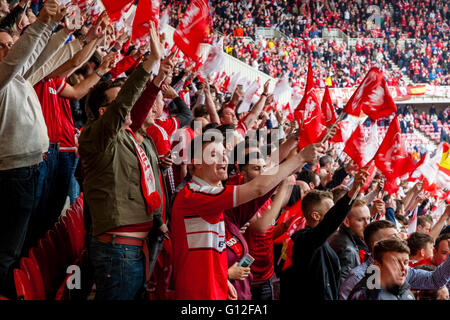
(4, 45)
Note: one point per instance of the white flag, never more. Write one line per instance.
(412, 224)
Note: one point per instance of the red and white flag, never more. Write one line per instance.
(146, 10)
(361, 147)
(430, 166)
(328, 111)
(372, 97)
(412, 223)
(193, 29)
(309, 115)
(391, 157)
(443, 175)
(114, 8)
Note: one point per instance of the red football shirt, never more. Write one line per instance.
(160, 132)
(47, 92)
(67, 140)
(260, 247)
(198, 229)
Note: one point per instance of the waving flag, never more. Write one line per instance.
(430, 166)
(114, 8)
(193, 29)
(360, 147)
(412, 223)
(372, 97)
(309, 115)
(328, 111)
(443, 175)
(146, 10)
(391, 157)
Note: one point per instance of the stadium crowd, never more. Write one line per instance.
(424, 60)
(335, 65)
(225, 201)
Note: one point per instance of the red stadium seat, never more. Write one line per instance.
(24, 287)
(47, 258)
(31, 269)
(80, 200)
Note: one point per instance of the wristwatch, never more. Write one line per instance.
(98, 73)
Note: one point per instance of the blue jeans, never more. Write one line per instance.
(118, 270)
(74, 187)
(60, 188)
(17, 196)
(38, 224)
(263, 292)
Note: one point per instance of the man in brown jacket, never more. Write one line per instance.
(119, 183)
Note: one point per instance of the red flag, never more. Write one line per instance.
(309, 115)
(146, 10)
(313, 129)
(328, 111)
(344, 131)
(309, 87)
(391, 157)
(193, 28)
(371, 170)
(114, 8)
(360, 147)
(372, 97)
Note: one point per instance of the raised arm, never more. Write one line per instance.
(258, 107)
(336, 215)
(210, 106)
(145, 102)
(184, 114)
(411, 198)
(29, 46)
(272, 177)
(82, 88)
(437, 228)
(108, 125)
(261, 224)
(80, 58)
(430, 280)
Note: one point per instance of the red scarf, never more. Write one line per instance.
(152, 197)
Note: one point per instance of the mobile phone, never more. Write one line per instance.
(246, 261)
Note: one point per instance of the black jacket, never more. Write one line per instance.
(347, 244)
(315, 270)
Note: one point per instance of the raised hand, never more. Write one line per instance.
(359, 182)
(97, 30)
(266, 87)
(60, 13)
(164, 69)
(169, 92)
(312, 152)
(49, 10)
(156, 49)
(108, 62)
(378, 208)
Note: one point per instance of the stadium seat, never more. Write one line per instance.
(24, 287)
(31, 269)
(46, 258)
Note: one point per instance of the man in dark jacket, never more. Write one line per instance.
(348, 241)
(315, 272)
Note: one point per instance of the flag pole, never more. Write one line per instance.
(341, 116)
